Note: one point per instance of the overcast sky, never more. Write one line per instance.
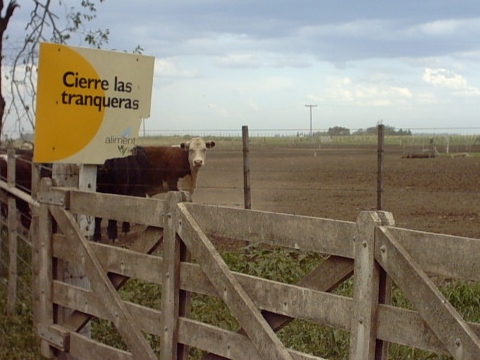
(221, 64)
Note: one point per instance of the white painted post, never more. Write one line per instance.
(87, 182)
(84, 178)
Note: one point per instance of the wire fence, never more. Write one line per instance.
(306, 132)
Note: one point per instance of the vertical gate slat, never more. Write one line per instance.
(12, 255)
(12, 235)
(43, 274)
(385, 290)
(171, 280)
(175, 302)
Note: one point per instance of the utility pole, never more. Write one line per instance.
(311, 106)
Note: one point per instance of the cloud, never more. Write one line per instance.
(363, 94)
(255, 60)
(440, 28)
(167, 68)
(451, 27)
(238, 61)
(446, 79)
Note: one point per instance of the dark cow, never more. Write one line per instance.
(149, 171)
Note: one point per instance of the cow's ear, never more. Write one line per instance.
(210, 144)
(185, 145)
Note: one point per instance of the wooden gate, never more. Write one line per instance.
(371, 248)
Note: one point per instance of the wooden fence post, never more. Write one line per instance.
(380, 152)
(365, 289)
(246, 169)
(372, 286)
(1, 249)
(12, 236)
(42, 262)
(33, 235)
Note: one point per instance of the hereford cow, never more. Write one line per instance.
(149, 171)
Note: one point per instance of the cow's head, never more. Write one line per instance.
(197, 151)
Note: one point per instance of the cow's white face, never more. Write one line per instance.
(197, 151)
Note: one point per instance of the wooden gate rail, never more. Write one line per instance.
(453, 257)
(335, 237)
(448, 255)
(369, 247)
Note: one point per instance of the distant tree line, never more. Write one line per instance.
(341, 131)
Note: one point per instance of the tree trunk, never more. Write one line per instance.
(12, 5)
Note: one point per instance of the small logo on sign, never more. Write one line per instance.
(122, 149)
(123, 141)
(126, 133)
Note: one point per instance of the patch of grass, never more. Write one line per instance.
(135, 291)
(278, 264)
(18, 341)
(464, 297)
(316, 340)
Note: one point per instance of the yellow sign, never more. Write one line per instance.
(90, 103)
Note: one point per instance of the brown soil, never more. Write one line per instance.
(437, 195)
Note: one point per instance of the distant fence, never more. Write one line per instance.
(447, 141)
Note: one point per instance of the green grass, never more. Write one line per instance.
(17, 337)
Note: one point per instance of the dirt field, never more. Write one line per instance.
(437, 195)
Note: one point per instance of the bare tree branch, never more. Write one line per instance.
(45, 26)
(12, 5)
